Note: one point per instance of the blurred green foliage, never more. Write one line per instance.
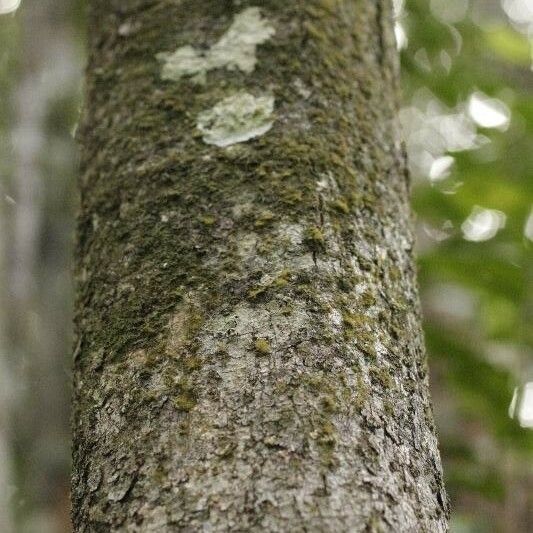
(476, 280)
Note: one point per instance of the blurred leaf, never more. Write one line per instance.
(509, 45)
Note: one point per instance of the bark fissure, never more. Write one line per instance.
(381, 28)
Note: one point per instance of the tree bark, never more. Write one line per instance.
(249, 353)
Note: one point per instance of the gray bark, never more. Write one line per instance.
(249, 354)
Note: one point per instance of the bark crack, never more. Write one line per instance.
(381, 29)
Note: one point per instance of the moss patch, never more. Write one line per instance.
(262, 346)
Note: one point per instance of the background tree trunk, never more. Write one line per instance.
(249, 351)
(39, 81)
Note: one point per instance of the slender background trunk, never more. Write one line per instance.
(36, 216)
(249, 353)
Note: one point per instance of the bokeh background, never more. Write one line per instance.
(467, 117)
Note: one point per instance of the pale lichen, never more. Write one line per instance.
(234, 50)
(236, 119)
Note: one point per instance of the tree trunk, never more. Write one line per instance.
(249, 353)
(38, 166)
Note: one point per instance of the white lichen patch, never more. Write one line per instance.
(236, 119)
(246, 245)
(292, 234)
(235, 50)
(335, 317)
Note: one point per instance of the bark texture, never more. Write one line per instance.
(249, 353)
